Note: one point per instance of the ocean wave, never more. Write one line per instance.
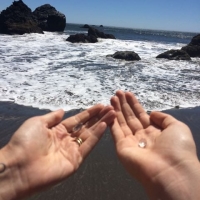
(45, 71)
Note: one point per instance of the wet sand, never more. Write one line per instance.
(101, 177)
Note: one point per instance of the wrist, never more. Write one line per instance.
(11, 184)
(179, 182)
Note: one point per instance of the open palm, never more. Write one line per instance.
(45, 146)
(168, 143)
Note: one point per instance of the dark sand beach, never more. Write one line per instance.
(101, 177)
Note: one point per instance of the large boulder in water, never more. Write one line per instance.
(91, 37)
(49, 19)
(98, 34)
(85, 26)
(18, 19)
(125, 55)
(81, 38)
(193, 48)
(174, 55)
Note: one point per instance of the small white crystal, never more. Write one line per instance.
(142, 143)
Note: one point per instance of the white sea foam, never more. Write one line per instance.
(45, 71)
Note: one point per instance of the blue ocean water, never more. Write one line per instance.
(46, 71)
(137, 34)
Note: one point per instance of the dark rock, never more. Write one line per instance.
(174, 55)
(101, 26)
(92, 36)
(109, 36)
(193, 48)
(18, 19)
(195, 40)
(85, 26)
(49, 19)
(125, 55)
(81, 38)
(98, 34)
(149, 112)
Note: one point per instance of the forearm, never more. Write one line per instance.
(180, 183)
(10, 182)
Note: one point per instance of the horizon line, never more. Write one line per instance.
(134, 28)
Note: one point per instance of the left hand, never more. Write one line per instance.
(158, 150)
(45, 151)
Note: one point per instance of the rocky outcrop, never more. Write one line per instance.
(193, 48)
(92, 36)
(174, 55)
(85, 26)
(18, 19)
(125, 55)
(81, 38)
(49, 19)
(98, 34)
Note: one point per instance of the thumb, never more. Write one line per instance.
(161, 119)
(53, 118)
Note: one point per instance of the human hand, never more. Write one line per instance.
(44, 150)
(165, 160)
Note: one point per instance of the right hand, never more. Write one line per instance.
(44, 151)
(170, 152)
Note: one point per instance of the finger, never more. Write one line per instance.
(82, 117)
(117, 107)
(91, 141)
(95, 130)
(161, 119)
(120, 117)
(53, 118)
(108, 118)
(105, 110)
(132, 121)
(138, 110)
(116, 131)
(98, 118)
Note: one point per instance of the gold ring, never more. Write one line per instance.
(79, 141)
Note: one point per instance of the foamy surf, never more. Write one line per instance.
(45, 71)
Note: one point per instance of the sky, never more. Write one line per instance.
(174, 15)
